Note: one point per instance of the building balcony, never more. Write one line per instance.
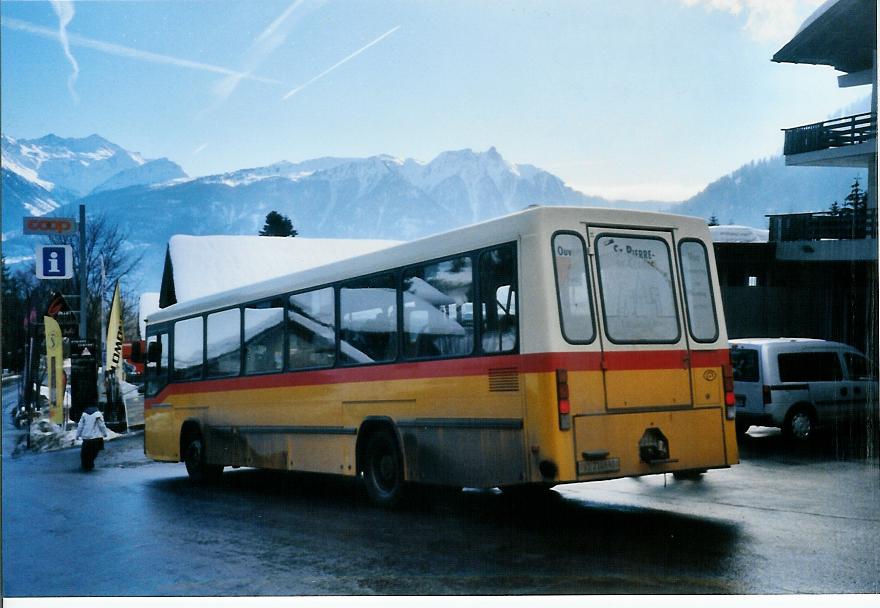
(849, 142)
(846, 236)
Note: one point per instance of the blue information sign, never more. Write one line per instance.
(54, 262)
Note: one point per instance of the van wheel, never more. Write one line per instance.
(198, 470)
(800, 425)
(383, 469)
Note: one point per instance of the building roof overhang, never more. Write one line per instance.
(841, 33)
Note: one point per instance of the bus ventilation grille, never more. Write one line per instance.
(503, 380)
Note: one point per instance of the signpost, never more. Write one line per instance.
(56, 262)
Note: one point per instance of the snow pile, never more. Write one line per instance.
(205, 265)
(738, 234)
(47, 436)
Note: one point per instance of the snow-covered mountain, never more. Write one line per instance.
(74, 167)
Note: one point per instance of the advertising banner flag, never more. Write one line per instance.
(113, 364)
(55, 369)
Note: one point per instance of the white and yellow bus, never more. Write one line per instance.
(550, 346)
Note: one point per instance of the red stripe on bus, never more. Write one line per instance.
(474, 366)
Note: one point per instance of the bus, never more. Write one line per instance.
(553, 345)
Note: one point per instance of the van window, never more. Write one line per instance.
(573, 289)
(809, 367)
(189, 348)
(637, 290)
(224, 343)
(368, 323)
(745, 364)
(264, 337)
(859, 367)
(311, 327)
(702, 322)
(437, 300)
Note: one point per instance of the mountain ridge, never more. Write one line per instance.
(378, 197)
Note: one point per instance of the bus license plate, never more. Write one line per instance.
(591, 467)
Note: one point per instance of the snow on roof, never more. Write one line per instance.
(738, 234)
(203, 265)
(148, 304)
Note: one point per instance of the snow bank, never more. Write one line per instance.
(47, 436)
(738, 234)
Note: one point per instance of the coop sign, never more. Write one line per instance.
(49, 225)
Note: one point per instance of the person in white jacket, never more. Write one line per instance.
(92, 430)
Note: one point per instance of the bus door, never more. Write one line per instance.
(646, 353)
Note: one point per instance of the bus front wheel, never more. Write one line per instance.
(383, 469)
(198, 470)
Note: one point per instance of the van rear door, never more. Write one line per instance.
(646, 350)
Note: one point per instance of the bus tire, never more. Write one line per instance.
(199, 471)
(383, 469)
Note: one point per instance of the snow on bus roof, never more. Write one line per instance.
(205, 265)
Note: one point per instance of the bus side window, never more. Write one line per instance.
(438, 301)
(189, 348)
(264, 337)
(311, 329)
(368, 323)
(157, 370)
(498, 299)
(224, 343)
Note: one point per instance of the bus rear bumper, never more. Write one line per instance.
(628, 444)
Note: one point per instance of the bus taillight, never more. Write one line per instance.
(563, 405)
(729, 397)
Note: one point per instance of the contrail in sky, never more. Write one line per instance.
(64, 10)
(264, 45)
(333, 67)
(124, 51)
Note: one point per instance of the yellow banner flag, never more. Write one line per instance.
(55, 369)
(113, 365)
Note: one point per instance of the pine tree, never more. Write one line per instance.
(857, 200)
(278, 225)
(713, 221)
(834, 209)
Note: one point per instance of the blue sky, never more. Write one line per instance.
(633, 99)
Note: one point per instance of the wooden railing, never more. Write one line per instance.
(860, 224)
(836, 133)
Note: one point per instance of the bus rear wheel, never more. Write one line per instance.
(198, 470)
(383, 469)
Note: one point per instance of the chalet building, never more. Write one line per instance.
(816, 276)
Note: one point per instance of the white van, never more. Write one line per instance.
(799, 384)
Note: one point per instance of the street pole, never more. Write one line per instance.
(83, 273)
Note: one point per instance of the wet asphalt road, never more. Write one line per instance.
(783, 521)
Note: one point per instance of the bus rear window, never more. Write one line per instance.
(573, 289)
(638, 294)
(702, 321)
